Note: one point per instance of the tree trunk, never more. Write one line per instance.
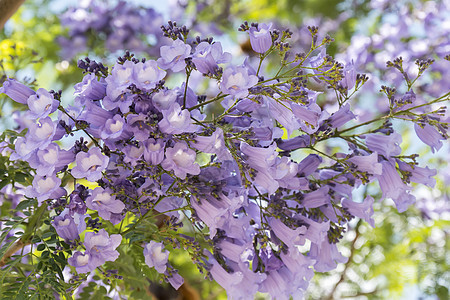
(7, 9)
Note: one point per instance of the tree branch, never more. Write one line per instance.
(344, 272)
(10, 252)
(7, 9)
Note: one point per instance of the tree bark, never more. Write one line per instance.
(7, 9)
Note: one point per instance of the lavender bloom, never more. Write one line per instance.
(164, 99)
(90, 88)
(228, 281)
(148, 74)
(23, 149)
(213, 144)
(308, 115)
(236, 81)
(139, 126)
(172, 56)
(387, 145)
(282, 112)
(65, 227)
(133, 153)
(367, 163)
(316, 198)
(297, 142)
(120, 79)
(349, 79)
(177, 121)
(326, 256)
(418, 174)
(393, 187)
(316, 231)
(90, 165)
(102, 247)
(260, 37)
(361, 210)
(175, 280)
(154, 151)
(51, 159)
(291, 237)
(83, 262)
(45, 187)
(309, 164)
(181, 160)
(106, 204)
(114, 128)
(207, 56)
(40, 134)
(41, 104)
(342, 116)
(16, 90)
(430, 136)
(155, 256)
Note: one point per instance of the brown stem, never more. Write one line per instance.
(10, 252)
(7, 9)
(344, 272)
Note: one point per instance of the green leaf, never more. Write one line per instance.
(40, 247)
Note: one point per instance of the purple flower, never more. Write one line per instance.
(133, 153)
(65, 227)
(181, 160)
(430, 136)
(102, 247)
(282, 112)
(90, 88)
(393, 187)
(213, 144)
(175, 280)
(83, 262)
(120, 79)
(349, 79)
(291, 237)
(90, 165)
(236, 81)
(172, 56)
(41, 104)
(154, 151)
(45, 187)
(309, 164)
(23, 149)
(51, 159)
(342, 116)
(16, 90)
(387, 145)
(155, 257)
(113, 128)
(207, 56)
(418, 174)
(326, 256)
(138, 124)
(177, 121)
(106, 204)
(164, 99)
(361, 210)
(41, 134)
(316, 198)
(260, 37)
(148, 74)
(367, 163)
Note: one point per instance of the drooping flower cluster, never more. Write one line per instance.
(274, 200)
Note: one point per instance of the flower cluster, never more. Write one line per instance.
(122, 26)
(275, 201)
